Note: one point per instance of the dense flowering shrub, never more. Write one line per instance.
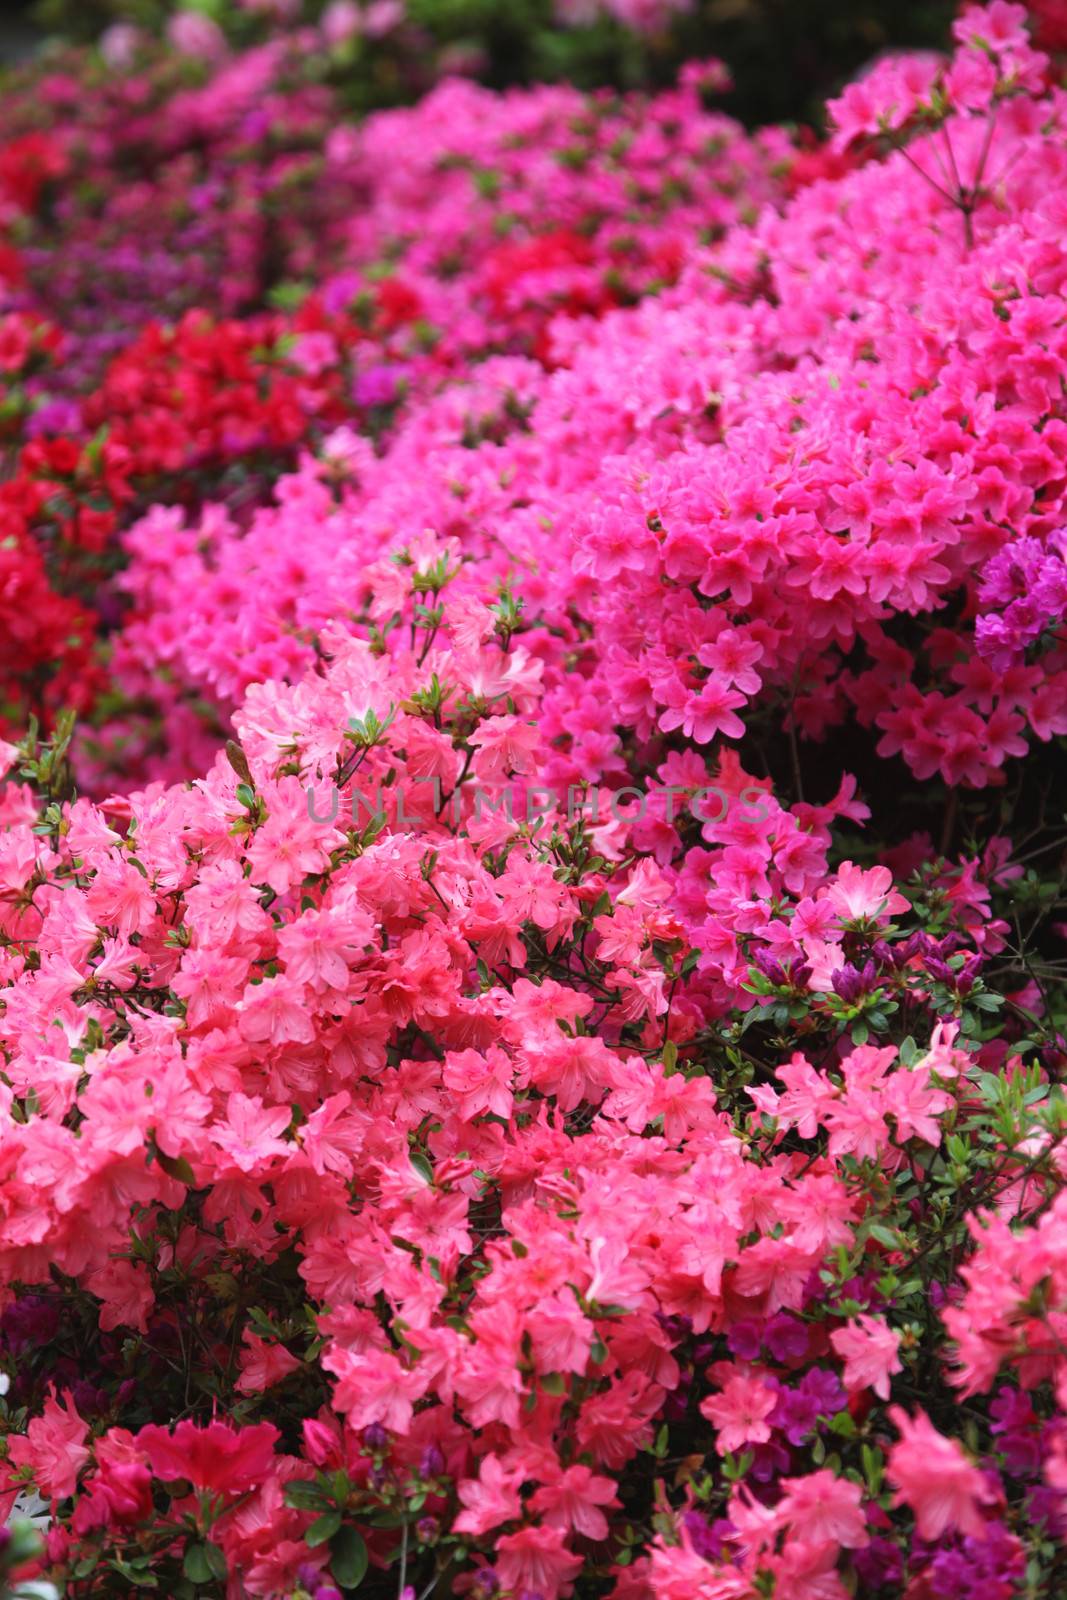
(495, 1102)
(780, 490)
(459, 228)
(418, 1109)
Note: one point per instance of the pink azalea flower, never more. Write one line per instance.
(857, 894)
(825, 1509)
(490, 1499)
(537, 1559)
(54, 1447)
(934, 1478)
(573, 1501)
(870, 1349)
(263, 1363)
(739, 1412)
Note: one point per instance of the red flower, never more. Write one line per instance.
(219, 1457)
(397, 304)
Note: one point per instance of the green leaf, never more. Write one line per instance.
(304, 1496)
(216, 1561)
(873, 1467)
(323, 1529)
(288, 296)
(177, 1167)
(197, 1564)
(348, 1558)
(422, 1166)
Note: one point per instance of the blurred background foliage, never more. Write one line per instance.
(786, 56)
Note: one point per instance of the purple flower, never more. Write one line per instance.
(888, 955)
(676, 1328)
(744, 1340)
(771, 969)
(819, 1394)
(880, 1565)
(1013, 1426)
(980, 1569)
(785, 1337)
(32, 1320)
(769, 1462)
(55, 416)
(795, 1415)
(1044, 1507)
(851, 982)
(707, 1539)
(824, 1387)
(379, 386)
(1026, 586)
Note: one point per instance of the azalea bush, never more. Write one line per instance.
(533, 862)
(340, 278)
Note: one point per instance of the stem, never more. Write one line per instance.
(957, 180)
(950, 821)
(403, 1565)
(938, 158)
(941, 190)
(794, 750)
(458, 783)
(979, 171)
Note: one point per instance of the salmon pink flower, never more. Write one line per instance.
(573, 1500)
(376, 1388)
(263, 1364)
(825, 1509)
(537, 1560)
(870, 1349)
(859, 895)
(54, 1447)
(740, 1410)
(490, 1499)
(934, 1478)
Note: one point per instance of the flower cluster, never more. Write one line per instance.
(396, 253)
(417, 1121)
(782, 494)
(530, 1059)
(1028, 586)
